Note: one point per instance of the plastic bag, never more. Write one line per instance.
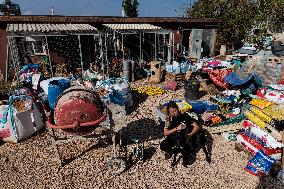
(275, 111)
(261, 115)
(253, 146)
(255, 119)
(278, 87)
(201, 106)
(253, 136)
(271, 95)
(261, 134)
(280, 176)
(117, 90)
(213, 120)
(176, 67)
(260, 164)
(16, 126)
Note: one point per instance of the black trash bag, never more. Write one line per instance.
(191, 88)
(277, 48)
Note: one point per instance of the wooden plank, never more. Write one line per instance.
(192, 22)
(225, 128)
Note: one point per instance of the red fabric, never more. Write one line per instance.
(5, 133)
(247, 123)
(258, 173)
(214, 63)
(218, 76)
(268, 151)
(260, 92)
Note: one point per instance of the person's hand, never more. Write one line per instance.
(189, 135)
(181, 126)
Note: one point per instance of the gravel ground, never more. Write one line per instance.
(33, 163)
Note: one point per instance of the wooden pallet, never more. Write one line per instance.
(170, 77)
(180, 75)
(225, 128)
(180, 78)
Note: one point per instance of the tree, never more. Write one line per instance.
(235, 15)
(238, 17)
(270, 14)
(9, 8)
(130, 7)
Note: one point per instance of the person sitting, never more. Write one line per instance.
(95, 69)
(92, 75)
(179, 130)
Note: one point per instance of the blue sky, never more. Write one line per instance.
(147, 8)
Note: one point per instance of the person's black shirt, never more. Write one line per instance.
(182, 118)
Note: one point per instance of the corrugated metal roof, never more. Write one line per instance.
(132, 27)
(46, 28)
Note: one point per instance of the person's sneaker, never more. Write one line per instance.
(168, 155)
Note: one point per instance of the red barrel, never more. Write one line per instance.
(77, 107)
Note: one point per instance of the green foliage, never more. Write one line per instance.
(239, 17)
(130, 7)
(270, 14)
(9, 8)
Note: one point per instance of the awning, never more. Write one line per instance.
(134, 28)
(49, 29)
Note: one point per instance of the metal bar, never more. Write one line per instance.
(106, 55)
(169, 48)
(95, 49)
(143, 40)
(129, 33)
(43, 35)
(122, 47)
(140, 49)
(173, 45)
(80, 48)
(155, 47)
(114, 145)
(134, 33)
(49, 60)
(102, 54)
(164, 42)
(158, 45)
(83, 139)
(7, 61)
(54, 144)
(114, 44)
